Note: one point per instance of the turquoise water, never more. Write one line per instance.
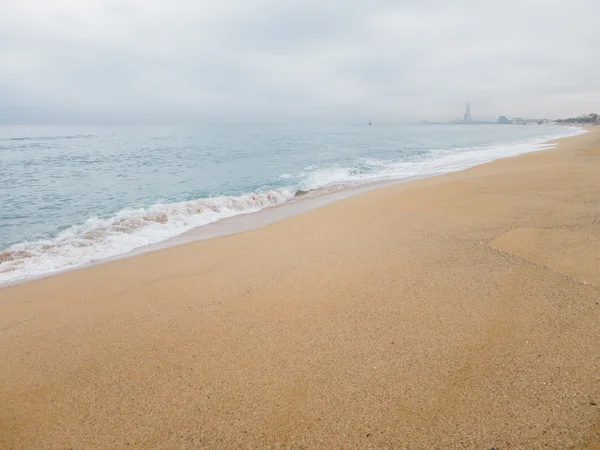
(71, 195)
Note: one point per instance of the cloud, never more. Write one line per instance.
(235, 60)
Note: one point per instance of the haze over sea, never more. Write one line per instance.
(73, 195)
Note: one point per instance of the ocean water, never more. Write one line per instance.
(73, 195)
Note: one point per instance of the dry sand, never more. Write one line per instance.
(457, 311)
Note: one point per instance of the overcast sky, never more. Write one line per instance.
(93, 61)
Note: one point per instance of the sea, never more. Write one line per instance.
(70, 196)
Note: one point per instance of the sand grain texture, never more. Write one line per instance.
(460, 311)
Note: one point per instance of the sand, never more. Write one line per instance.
(460, 311)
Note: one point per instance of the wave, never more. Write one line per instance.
(50, 138)
(101, 238)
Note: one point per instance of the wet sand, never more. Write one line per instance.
(460, 311)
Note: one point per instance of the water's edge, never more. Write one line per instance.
(254, 220)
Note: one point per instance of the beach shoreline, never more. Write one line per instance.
(249, 221)
(459, 310)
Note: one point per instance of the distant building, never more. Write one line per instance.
(503, 120)
(467, 117)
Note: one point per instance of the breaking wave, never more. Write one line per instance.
(127, 230)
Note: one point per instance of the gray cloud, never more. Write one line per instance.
(266, 60)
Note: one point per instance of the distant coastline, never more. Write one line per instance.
(467, 119)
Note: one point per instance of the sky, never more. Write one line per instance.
(188, 61)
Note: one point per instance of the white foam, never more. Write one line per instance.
(101, 238)
(321, 178)
(127, 230)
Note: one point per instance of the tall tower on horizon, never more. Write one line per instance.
(468, 117)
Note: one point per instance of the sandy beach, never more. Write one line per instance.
(459, 311)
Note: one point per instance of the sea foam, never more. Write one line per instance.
(99, 238)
